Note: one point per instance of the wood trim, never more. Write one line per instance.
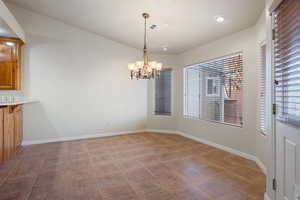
(12, 39)
(17, 65)
(12, 108)
(275, 4)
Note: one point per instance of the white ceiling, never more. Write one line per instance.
(182, 24)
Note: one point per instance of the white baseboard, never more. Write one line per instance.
(261, 165)
(71, 138)
(228, 149)
(266, 197)
(222, 147)
(160, 131)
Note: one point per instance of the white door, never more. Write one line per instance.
(286, 59)
(288, 161)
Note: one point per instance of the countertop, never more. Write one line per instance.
(19, 102)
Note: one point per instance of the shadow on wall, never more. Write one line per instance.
(35, 119)
(41, 125)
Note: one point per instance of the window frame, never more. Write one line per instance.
(185, 93)
(217, 94)
(266, 103)
(159, 115)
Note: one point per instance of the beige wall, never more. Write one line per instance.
(81, 80)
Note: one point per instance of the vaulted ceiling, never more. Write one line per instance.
(181, 24)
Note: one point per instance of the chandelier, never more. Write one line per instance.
(145, 69)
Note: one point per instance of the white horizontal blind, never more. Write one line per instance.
(263, 89)
(287, 61)
(213, 90)
(163, 93)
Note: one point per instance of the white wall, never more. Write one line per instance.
(81, 80)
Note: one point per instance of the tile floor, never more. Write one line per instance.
(146, 166)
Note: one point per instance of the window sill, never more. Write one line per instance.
(213, 121)
(162, 116)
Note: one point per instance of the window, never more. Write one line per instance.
(212, 86)
(192, 92)
(163, 93)
(213, 90)
(263, 73)
(287, 61)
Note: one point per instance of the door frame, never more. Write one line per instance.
(273, 118)
(272, 142)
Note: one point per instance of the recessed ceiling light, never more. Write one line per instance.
(220, 19)
(165, 47)
(11, 44)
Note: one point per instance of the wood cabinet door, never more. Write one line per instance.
(18, 120)
(8, 136)
(1, 135)
(10, 64)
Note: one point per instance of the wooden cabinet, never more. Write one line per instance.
(10, 63)
(11, 135)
